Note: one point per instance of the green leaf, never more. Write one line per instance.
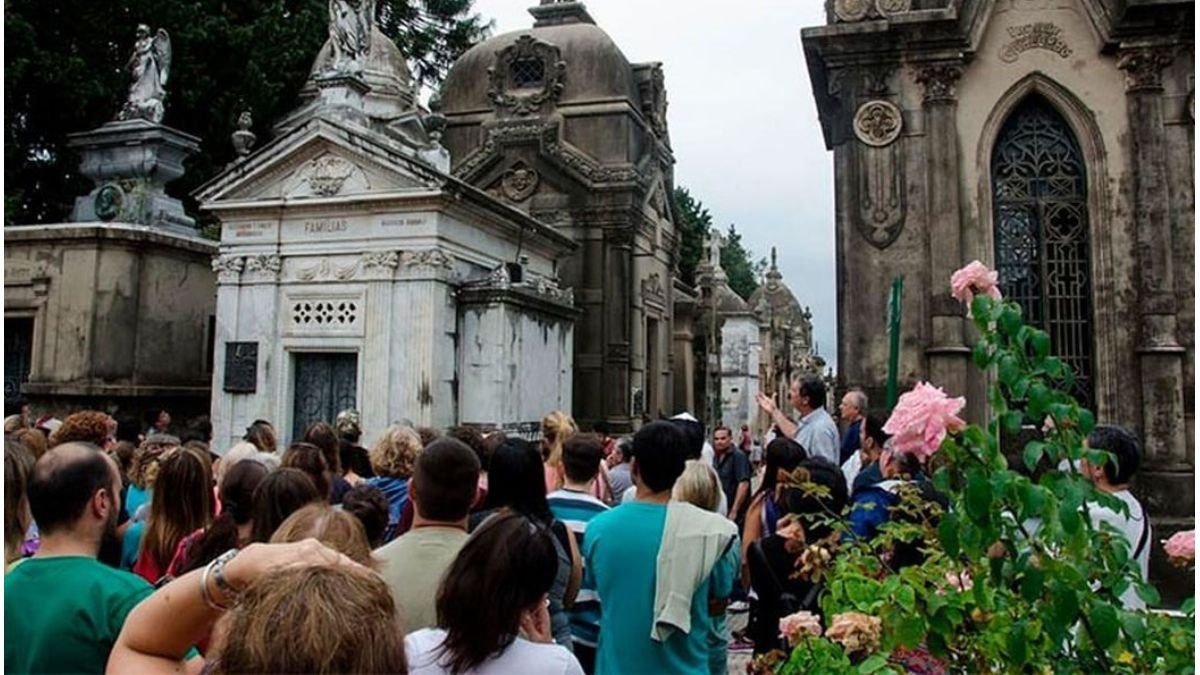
(981, 356)
(1066, 604)
(1040, 398)
(979, 497)
(1008, 369)
(1032, 583)
(981, 309)
(1012, 421)
(911, 630)
(873, 664)
(1040, 341)
(1017, 648)
(1134, 625)
(1105, 626)
(1087, 421)
(1032, 498)
(1033, 453)
(948, 534)
(1010, 319)
(906, 597)
(1148, 594)
(1188, 607)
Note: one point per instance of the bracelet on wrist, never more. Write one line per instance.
(216, 570)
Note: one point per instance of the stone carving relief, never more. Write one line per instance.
(551, 147)
(228, 268)
(1143, 67)
(940, 81)
(878, 123)
(652, 290)
(540, 285)
(519, 182)
(881, 188)
(327, 175)
(379, 264)
(526, 75)
(430, 258)
(327, 271)
(654, 101)
(1040, 35)
(849, 11)
(265, 264)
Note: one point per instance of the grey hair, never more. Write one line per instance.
(858, 399)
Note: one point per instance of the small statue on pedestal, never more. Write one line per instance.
(351, 23)
(148, 66)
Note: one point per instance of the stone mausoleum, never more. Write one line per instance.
(1054, 141)
(356, 272)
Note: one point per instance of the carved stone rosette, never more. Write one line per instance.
(849, 11)
(1143, 67)
(526, 52)
(519, 182)
(228, 268)
(878, 123)
(940, 81)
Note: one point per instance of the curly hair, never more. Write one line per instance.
(89, 426)
(395, 453)
(557, 427)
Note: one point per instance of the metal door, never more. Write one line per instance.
(18, 353)
(326, 384)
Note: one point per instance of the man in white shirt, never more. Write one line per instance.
(815, 432)
(1113, 478)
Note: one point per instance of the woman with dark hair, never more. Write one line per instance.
(262, 435)
(493, 604)
(278, 496)
(783, 456)
(516, 481)
(772, 559)
(232, 528)
(862, 469)
(182, 504)
(324, 437)
(311, 460)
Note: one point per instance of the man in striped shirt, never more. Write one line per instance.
(574, 505)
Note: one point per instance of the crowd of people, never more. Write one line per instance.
(442, 551)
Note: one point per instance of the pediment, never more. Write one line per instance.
(320, 162)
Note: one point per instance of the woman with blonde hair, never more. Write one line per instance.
(18, 464)
(337, 529)
(697, 486)
(557, 427)
(392, 459)
(258, 603)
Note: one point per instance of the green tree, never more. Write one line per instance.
(64, 74)
(694, 222)
(736, 259)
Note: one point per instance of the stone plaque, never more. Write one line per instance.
(241, 367)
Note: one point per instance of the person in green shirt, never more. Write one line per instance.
(63, 609)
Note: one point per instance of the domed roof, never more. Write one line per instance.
(595, 67)
(729, 302)
(774, 298)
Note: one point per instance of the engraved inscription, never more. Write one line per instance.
(251, 230)
(1041, 35)
(401, 222)
(325, 226)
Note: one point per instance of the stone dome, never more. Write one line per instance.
(729, 302)
(596, 69)
(774, 298)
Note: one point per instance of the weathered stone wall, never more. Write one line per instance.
(121, 315)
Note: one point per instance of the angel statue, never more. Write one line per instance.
(148, 68)
(715, 243)
(350, 25)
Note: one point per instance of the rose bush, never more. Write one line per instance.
(1012, 576)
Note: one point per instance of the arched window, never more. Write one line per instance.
(1039, 192)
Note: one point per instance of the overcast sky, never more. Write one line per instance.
(743, 123)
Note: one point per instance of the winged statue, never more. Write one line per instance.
(148, 67)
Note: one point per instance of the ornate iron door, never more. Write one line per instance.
(326, 384)
(1039, 189)
(18, 354)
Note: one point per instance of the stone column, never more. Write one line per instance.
(379, 271)
(1159, 353)
(947, 353)
(229, 270)
(618, 298)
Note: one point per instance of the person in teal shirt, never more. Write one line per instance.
(621, 551)
(63, 609)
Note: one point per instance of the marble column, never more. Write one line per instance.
(948, 355)
(1160, 356)
(618, 296)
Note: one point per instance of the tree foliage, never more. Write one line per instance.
(695, 224)
(64, 74)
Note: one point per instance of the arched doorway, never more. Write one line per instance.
(1039, 197)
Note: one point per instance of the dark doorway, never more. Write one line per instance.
(18, 355)
(326, 384)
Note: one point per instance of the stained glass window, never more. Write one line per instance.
(1039, 191)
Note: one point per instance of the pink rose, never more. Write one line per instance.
(795, 626)
(1181, 546)
(922, 418)
(974, 279)
(960, 581)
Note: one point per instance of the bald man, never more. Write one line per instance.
(63, 609)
